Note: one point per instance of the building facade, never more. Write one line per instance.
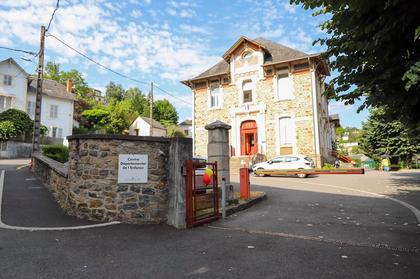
(144, 126)
(186, 127)
(272, 97)
(18, 90)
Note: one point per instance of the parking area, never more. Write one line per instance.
(320, 227)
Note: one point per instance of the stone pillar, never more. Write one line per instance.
(180, 149)
(218, 151)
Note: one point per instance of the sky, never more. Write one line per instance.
(156, 40)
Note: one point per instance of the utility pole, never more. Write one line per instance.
(37, 120)
(151, 108)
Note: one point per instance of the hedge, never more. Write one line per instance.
(56, 152)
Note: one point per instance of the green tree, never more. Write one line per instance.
(165, 112)
(174, 131)
(80, 87)
(138, 100)
(7, 130)
(114, 92)
(20, 119)
(121, 116)
(96, 117)
(380, 137)
(375, 46)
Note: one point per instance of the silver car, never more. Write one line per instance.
(288, 162)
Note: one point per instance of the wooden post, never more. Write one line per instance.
(38, 102)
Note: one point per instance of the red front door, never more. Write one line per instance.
(249, 139)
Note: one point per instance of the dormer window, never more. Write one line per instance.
(246, 56)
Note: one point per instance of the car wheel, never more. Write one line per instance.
(260, 175)
(302, 175)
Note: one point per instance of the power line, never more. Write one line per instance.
(113, 71)
(173, 96)
(19, 50)
(52, 16)
(97, 63)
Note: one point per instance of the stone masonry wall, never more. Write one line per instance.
(93, 188)
(54, 174)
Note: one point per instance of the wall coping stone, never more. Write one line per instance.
(217, 125)
(58, 167)
(118, 137)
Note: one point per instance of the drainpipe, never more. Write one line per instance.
(193, 121)
(315, 114)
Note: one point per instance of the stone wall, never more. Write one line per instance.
(299, 108)
(91, 189)
(54, 175)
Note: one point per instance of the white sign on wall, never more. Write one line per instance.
(132, 168)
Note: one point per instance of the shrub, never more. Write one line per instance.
(7, 130)
(56, 152)
(43, 130)
(20, 119)
(174, 131)
(328, 166)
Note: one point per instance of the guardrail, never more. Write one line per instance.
(310, 171)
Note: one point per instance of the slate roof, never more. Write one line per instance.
(278, 52)
(51, 88)
(156, 124)
(186, 122)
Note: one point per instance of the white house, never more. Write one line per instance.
(17, 90)
(186, 127)
(144, 126)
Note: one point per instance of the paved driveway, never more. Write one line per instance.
(296, 233)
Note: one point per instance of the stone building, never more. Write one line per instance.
(272, 97)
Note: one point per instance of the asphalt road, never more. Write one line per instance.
(296, 233)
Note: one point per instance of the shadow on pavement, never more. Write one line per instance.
(26, 202)
(343, 216)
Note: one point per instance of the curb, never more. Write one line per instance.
(246, 205)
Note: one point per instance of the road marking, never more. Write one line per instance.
(30, 179)
(20, 228)
(415, 211)
(31, 188)
(21, 167)
(319, 239)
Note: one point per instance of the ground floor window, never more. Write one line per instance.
(5, 103)
(57, 132)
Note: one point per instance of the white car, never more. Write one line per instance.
(286, 163)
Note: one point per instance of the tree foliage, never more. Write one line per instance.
(375, 46)
(7, 130)
(114, 92)
(174, 131)
(20, 119)
(165, 112)
(80, 86)
(387, 138)
(138, 101)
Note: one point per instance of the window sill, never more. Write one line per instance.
(281, 100)
(214, 108)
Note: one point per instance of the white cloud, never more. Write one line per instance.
(136, 13)
(194, 29)
(289, 8)
(89, 26)
(339, 106)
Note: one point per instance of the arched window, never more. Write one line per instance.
(246, 56)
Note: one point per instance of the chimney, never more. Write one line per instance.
(69, 85)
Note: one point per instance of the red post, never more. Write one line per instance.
(245, 192)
